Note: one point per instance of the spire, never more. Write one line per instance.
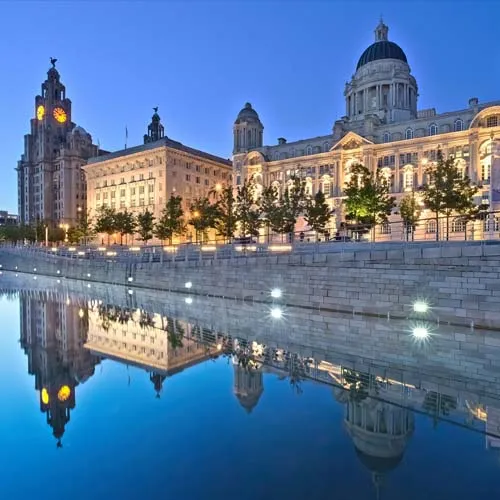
(381, 31)
(155, 128)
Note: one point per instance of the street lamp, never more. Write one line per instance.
(65, 226)
(196, 215)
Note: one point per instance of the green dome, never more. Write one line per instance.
(381, 50)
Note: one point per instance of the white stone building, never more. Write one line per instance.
(382, 129)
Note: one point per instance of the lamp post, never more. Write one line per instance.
(46, 235)
(196, 215)
(65, 226)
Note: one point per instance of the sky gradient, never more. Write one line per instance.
(201, 61)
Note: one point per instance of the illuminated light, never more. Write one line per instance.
(58, 272)
(131, 292)
(101, 249)
(130, 279)
(81, 314)
(279, 248)
(88, 286)
(71, 249)
(210, 248)
(40, 112)
(88, 275)
(276, 313)
(81, 253)
(17, 275)
(188, 284)
(34, 277)
(249, 248)
(68, 302)
(135, 249)
(111, 254)
(0, 272)
(420, 332)
(188, 300)
(14, 268)
(64, 393)
(45, 396)
(219, 347)
(54, 249)
(218, 187)
(276, 293)
(34, 269)
(420, 306)
(170, 249)
(59, 281)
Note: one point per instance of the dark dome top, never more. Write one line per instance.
(381, 50)
(378, 464)
(247, 114)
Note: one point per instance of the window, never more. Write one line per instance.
(409, 134)
(326, 147)
(386, 137)
(458, 126)
(141, 177)
(492, 121)
(433, 129)
(430, 226)
(408, 178)
(141, 189)
(188, 177)
(197, 180)
(457, 226)
(150, 175)
(485, 172)
(151, 188)
(132, 191)
(309, 150)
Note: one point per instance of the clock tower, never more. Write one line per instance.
(51, 183)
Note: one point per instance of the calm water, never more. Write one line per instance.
(106, 398)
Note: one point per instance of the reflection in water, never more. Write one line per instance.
(65, 338)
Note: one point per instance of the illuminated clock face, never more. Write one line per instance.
(40, 112)
(60, 115)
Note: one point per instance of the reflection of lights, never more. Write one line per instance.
(54, 249)
(110, 254)
(276, 313)
(135, 249)
(34, 269)
(71, 249)
(64, 393)
(101, 249)
(81, 314)
(210, 248)
(219, 347)
(420, 306)
(188, 300)
(88, 286)
(420, 332)
(34, 277)
(81, 252)
(45, 396)
(131, 292)
(170, 249)
(188, 284)
(130, 279)
(279, 248)
(248, 248)
(58, 272)
(59, 281)
(276, 293)
(88, 275)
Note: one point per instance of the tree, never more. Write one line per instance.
(106, 221)
(125, 224)
(171, 222)
(368, 201)
(226, 219)
(84, 229)
(447, 191)
(145, 223)
(203, 216)
(410, 211)
(269, 208)
(247, 211)
(472, 213)
(317, 213)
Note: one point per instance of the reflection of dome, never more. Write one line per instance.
(379, 464)
(381, 50)
(249, 401)
(247, 114)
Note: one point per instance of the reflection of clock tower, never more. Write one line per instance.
(51, 185)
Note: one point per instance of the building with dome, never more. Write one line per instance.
(51, 182)
(382, 128)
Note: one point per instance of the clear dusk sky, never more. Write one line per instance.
(201, 61)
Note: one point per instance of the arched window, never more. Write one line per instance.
(492, 121)
(386, 174)
(461, 166)
(326, 147)
(386, 137)
(458, 126)
(430, 226)
(408, 178)
(433, 129)
(326, 186)
(409, 133)
(457, 226)
(309, 150)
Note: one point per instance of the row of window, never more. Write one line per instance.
(458, 126)
(309, 150)
(457, 226)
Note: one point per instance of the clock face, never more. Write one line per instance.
(40, 112)
(59, 114)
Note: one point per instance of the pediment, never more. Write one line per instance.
(351, 141)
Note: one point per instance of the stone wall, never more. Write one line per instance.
(460, 282)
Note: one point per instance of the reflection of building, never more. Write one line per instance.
(51, 182)
(53, 336)
(160, 345)
(7, 219)
(248, 384)
(144, 177)
(383, 130)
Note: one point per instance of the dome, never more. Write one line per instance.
(378, 464)
(382, 49)
(247, 114)
(79, 130)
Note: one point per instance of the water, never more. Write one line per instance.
(111, 394)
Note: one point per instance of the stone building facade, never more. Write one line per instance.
(144, 177)
(382, 129)
(51, 182)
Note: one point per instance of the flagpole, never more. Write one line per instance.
(126, 136)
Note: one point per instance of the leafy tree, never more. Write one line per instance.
(317, 213)
(447, 191)
(410, 211)
(368, 201)
(171, 222)
(269, 208)
(145, 223)
(472, 213)
(226, 218)
(125, 224)
(203, 216)
(106, 221)
(247, 211)
(84, 229)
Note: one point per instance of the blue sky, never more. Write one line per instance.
(201, 61)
